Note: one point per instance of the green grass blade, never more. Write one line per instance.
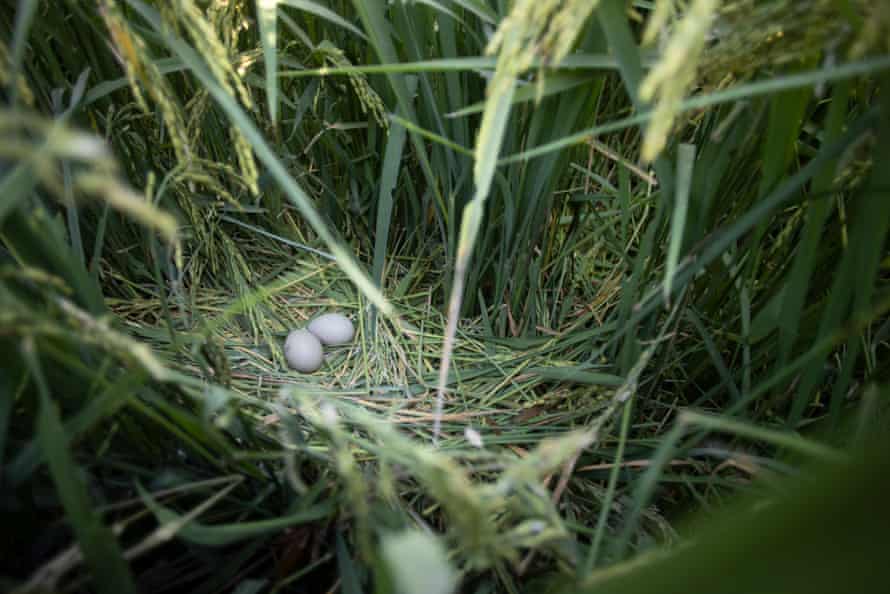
(780, 439)
(488, 145)
(431, 136)
(441, 65)
(786, 115)
(324, 13)
(99, 242)
(392, 162)
(613, 20)
(574, 374)
(267, 15)
(785, 119)
(553, 85)
(72, 218)
(460, 64)
(278, 238)
(224, 534)
(685, 164)
(745, 305)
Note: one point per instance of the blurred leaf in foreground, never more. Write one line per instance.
(826, 533)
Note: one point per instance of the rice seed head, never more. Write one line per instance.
(672, 77)
(202, 30)
(370, 102)
(128, 47)
(748, 36)
(207, 42)
(143, 73)
(542, 30)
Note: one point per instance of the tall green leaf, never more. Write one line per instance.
(99, 545)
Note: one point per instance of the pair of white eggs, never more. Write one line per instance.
(303, 348)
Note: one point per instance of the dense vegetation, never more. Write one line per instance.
(613, 265)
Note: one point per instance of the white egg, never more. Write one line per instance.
(303, 351)
(332, 328)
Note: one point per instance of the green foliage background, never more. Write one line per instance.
(611, 263)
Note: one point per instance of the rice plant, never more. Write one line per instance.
(619, 273)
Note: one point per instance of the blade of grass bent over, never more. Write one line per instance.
(488, 144)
